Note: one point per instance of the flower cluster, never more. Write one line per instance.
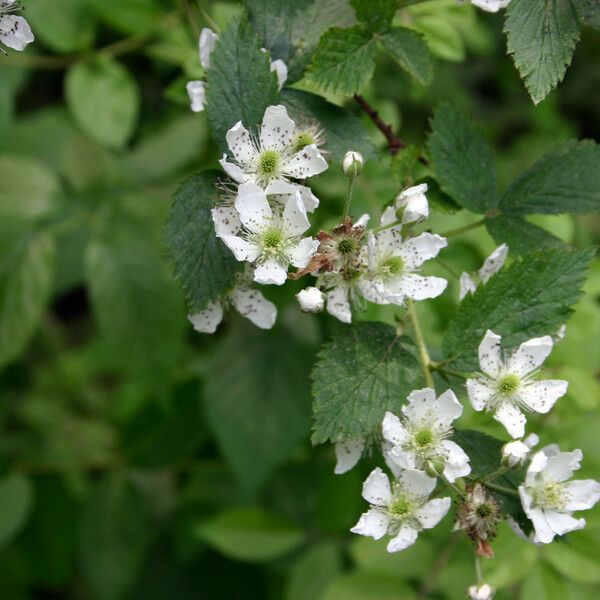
(15, 32)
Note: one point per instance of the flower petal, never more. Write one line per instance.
(196, 91)
(207, 320)
(433, 512)
(393, 430)
(376, 488)
(233, 170)
(543, 532)
(240, 143)
(418, 287)
(405, 537)
(15, 32)
(562, 523)
(561, 466)
(252, 205)
(226, 220)
(479, 393)
(490, 359)
(373, 523)
(281, 71)
(541, 396)
(415, 251)
(338, 303)
(456, 461)
(305, 163)
(493, 263)
(512, 418)
(277, 129)
(467, 285)
(294, 216)
(242, 249)
(254, 306)
(583, 494)
(208, 39)
(270, 272)
(348, 453)
(530, 355)
(300, 254)
(417, 483)
(280, 187)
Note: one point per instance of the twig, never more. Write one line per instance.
(463, 229)
(423, 354)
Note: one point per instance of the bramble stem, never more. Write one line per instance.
(478, 569)
(496, 474)
(463, 229)
(423, 354)
(349, 197)
(500, 488)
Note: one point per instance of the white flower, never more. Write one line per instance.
(482, 592)
(400, 510)
(280, 69)
(311, 299)
(352, 163)
(207, 42)
(491, 5)
(516, 453)
(348, 454)
(14, 31)
(272, 157)
(393, 265)
(271, 240)
(549, 499)
(421, 434)
(507, 385)
(414, 202)
(493, 263)
(342, 293)
(197, 94)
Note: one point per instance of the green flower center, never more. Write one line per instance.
(392, 266)
(268, 162)
(484, 510)
(551, 495)
(423, 438)
(302, 140)
(400, 507)
(272, 240)
(509, 384)
(346, 246)
(351, 274)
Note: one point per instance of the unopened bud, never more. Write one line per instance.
(482, 592)
(411, 205)
(311, 299)
(435, 467)
(353, 162)
(514, 454)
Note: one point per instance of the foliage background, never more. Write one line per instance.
(139, 459)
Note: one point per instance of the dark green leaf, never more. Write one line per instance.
(542, 35)
(16, 499)
(530, 298)
(240, 82)
(312, 572)
(462, 160)
(521, 236)
(361, 373)
(588, 12)
(377, 15)
(566, 180)
(411, 52)
(344, 60)
(364, 585)
(128, 16)
(543, 583)
(204, 266)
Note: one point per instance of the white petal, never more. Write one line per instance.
(15, 32)
(433, 512)
(515, 452)
(281, 71)
(363, 220)
(543, 532)
(338, 303)
(493, 263)
(242, 249)
(406, 537)
(417, 483)
(562, 523)
(270, 272)
(240, 143)
(406, 459)
(388, 216)
(538, 463)
(226, 220)
(467, 285)
(479, 393)
(456, 461)
(418, 287)
(390, 461)
(254, 306)
(561, 466)
(489, 353)
(305, 163)
(491, 5)
(531, 440)
(541, 396)
(530, 355)
(233, 170)
(414, 201)
(282, 187)
(207, 320)
(583, 494)
(206, 44)
(277, 129)
(415, 251)
(376, 488)
(197, 94)
(294, 216)
(311, 299)
(253, 207)
(373, 523)
(300, 254)
(393, 430)
(423, 406)
(512, 418)
(348, 453)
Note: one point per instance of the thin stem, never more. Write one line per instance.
(423, 354)
(500, 488)
(495, 474)
(456, 489)
(478, 569)
(458, 374)
(463, 229)
(388, 226)
(448, 268)
(349, 197)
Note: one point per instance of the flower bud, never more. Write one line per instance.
(482, 592)
(311, 299)
(514, 454)
(353, 162)
(411, 204)
(435, 467)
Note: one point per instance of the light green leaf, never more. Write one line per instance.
(462, 160)
(344, 60)
(313, 571)
(16, 500)
(104, 100)
(566, 180)
(361, 585)
(543, 583)
(542, 35)
(257, 405)
(204, 266)
(361, 373)
(584, 387)
(410, 50)
(250, 534)
(441, 34)
(530, 298)
(240, 82)
(572, 564)
(128, 16)
(377, 15)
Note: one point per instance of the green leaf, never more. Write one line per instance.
(27, 261)
(16, 500)
(588, 12)
(566, 180)
(313, 571)
(377, 15)
(530, 298)
(240, 82)
(542, 35)
(410, 50)
(257, 405)
(521, 236)
(344, 61)
(343, 130)
(104, 100)
(250, 534)
(543, 583)
(572, 564)
(114, 536)
(204, 266)
(128, 16)
(462, 160)
(361, 585)
(361, 373)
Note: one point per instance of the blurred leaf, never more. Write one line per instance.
(566, 180)
(409, 49)
(250, 534)
(204, 266)
(521, 236)
(442, 36)
(530, 298)
(368, 586)
(361, 373)
(543, 583)
(240, 82)
(542, 35)
(128, 16)
(258, 404)
(313, 571)
(584, 387)
(572, 564)
(589, 12)
(344, 60)
(104, 100)
(375, 14)
(16, 500)
(462, 160)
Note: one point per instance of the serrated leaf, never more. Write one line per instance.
(240, 84)
(257, 405)
(361, 373)
(567, 180)
(343, 131)
(521, 236)
(16, 500)
(377, 15)
(530, 298)
(204, 266)
(344, 60)
(410, 51)
(542, 35)
(462, 160)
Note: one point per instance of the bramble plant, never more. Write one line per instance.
(432, 377)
